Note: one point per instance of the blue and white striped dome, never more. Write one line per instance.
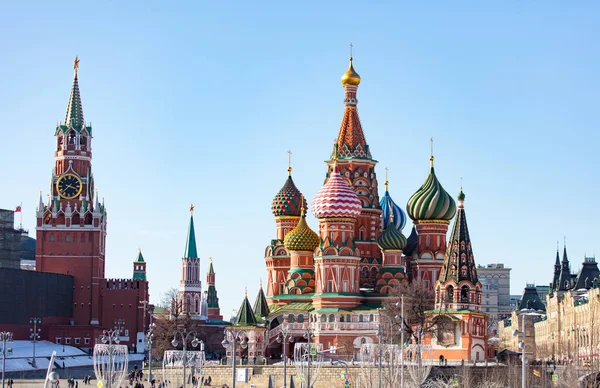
(388, 206)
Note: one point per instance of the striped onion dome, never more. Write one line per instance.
(431, 202)
(391, 239)
(336, 199)
(288, 200)
(302, 237)
(389, 207)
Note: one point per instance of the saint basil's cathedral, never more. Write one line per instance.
(333, 280)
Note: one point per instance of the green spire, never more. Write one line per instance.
(140, 258)
(261, 307)
(211, 270)
(190, 245)
(74, 117)
(245, 315)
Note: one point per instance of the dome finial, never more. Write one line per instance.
(431, 157)
(289, 162)
(386, 179)
(76, 63)
(192, 209)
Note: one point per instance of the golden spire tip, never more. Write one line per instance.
(386, 179)
(76, 63)
(289, 162)
(192, 209)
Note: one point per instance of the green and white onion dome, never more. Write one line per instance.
(431, 202)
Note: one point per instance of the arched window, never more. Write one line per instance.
(300, 318)
(464, 294)
(331, 318)
(291, 318)
(450, 293)
(371, 318)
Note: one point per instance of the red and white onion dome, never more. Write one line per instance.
(336, 199)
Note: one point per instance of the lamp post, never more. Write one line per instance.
(35, 335)
(236, 335)
(523, 313)
(149, 338)
(308, 335)
(185, 335)
(110, 338)
(380, 333)
(5, 337)
(401, 317)
(285, 336)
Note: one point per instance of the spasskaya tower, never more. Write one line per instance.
(71, 225)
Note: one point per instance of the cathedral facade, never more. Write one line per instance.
(332, 281)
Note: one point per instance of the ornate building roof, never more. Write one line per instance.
(302, 237)
(391, 238)
(459, 262)
(587, 274)
(190, 244)
(245, 315)
(288, 201)
(74, 116)
(564, 279)
(261, 307)
(531, 299)
(431, 202)
(556, 278)
(336, 199)
(351, 142)
(389, 208)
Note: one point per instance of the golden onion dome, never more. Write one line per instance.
(350, 77)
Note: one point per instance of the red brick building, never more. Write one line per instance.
(71, 239)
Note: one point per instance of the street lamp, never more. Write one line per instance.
(5, 337)
(308, 335)
(35, 335)
(236, 335)
(185, 335)
(149, 338)
(401, 317)
(524, 313)
(380, 334)
(285, 337)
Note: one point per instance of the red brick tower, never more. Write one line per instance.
(190, 287)
(71, 228)
(357, 167)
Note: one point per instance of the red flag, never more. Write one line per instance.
(18, 209)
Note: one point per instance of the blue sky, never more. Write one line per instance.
(198, 102)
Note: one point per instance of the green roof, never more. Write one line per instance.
(190, 245)
(140, 258)
(245, 315)
(261, 307)
(74, 118)
(294, 306)
(210, 267)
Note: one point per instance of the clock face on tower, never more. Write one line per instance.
(69, 186)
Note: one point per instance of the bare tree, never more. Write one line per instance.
(418, 319)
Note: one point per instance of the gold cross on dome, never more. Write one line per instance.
(290, 162)
(351, 50)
